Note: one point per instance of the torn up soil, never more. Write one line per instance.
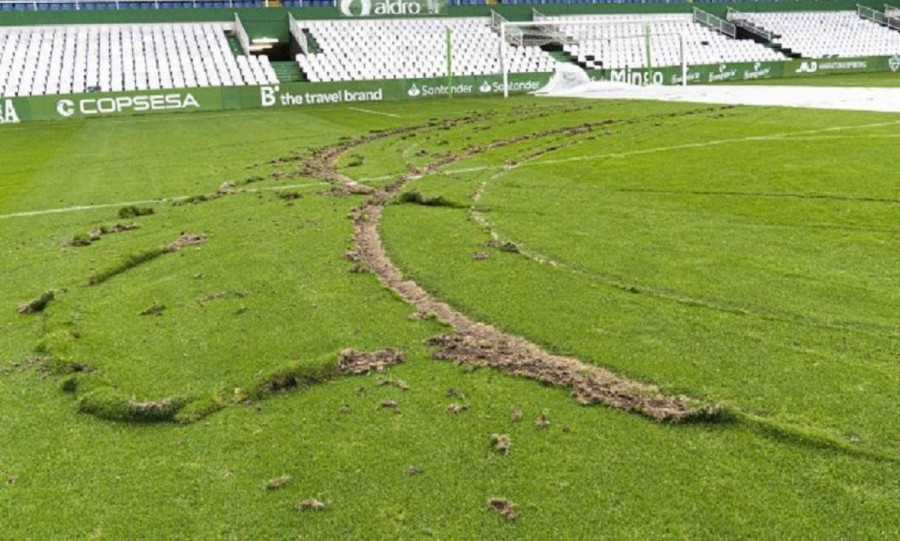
(485, 346)
(358, 362)
(504, 508)
(186, 239)
(479, 344)
(38, 304)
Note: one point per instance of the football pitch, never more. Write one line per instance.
(617, 320)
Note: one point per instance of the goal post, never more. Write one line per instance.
(546, 31)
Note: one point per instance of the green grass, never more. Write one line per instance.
(778, 305)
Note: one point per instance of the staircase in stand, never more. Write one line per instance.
(288, 72)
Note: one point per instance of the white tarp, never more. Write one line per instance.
(847, 98)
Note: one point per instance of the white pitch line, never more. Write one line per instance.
(371, 112)
(686, 146)
(144, 202)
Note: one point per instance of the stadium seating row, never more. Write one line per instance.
(411, 48)
(74, 59)
(827, 34)
(61, 5)
(621, 42)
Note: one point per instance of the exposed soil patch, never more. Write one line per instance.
(186, 239)
(278, 482)
(412, 470)
(38, 304)
(455, 409)
(312, 504)
(97, 232)
(504, 246)
(504, 507)
(500, 443)
(357, 362)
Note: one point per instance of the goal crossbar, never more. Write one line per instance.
(506, 26)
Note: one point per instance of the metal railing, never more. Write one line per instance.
(892, 16)
(870, 14)
(719, 25)
(743, 21)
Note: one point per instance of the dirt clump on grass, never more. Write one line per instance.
(312, 504)
(542, 422)
(359, 362)
(133, 211)
(504, 507)
(501, 443)
(413, 470)
(155, 309)
(278, 482)
(186, 239)
(398, 383)
(455, 409)
(38, 304)
(97, 232)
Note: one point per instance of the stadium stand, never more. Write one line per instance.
(73, 59)
(622, 42)
(825, 34)
(410, 48)
(96, 5)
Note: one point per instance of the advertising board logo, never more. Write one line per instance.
(808, 67)
(275, 96)
(125, 104)
(349, 9)
(414, 91)
(758, 72)
(724, 74)
(894, 62)
(485, 87)
(381, 8)
(636, 77)
(8, 114)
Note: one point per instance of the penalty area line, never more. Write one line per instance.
(77, 208)
(371, 112)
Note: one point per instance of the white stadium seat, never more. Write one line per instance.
(620, 42)
(352, 50)
(41, 60)
(827, 34)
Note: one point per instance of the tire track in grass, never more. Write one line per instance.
(481, 344)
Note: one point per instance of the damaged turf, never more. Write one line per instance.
(485, 346)
(356, 362)
(478, 344)
(504, 507)
(38, 304)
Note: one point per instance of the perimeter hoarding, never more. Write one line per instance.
(15, 110)
(748, 71)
